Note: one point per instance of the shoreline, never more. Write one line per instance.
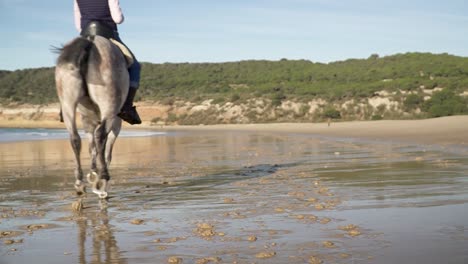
(452, 130)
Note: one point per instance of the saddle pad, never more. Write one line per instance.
(125, 51)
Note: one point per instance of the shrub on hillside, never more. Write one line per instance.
(277, 99)
(445, 103)
(331, 112)
(412, 102)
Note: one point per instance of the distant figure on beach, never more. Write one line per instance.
(107, 13)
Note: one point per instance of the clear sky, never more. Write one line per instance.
(160, 31)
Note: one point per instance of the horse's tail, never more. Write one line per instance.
(76, 53)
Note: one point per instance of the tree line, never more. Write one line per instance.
(299, 80)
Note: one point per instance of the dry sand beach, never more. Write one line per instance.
(354, 192)
(445, 130)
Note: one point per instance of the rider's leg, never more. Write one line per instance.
(128, 112)
(61, 115)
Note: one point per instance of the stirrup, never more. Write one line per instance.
(130, 115)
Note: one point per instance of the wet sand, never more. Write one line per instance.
(242, 195)
(443, 130)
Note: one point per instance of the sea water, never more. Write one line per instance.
(28, 134)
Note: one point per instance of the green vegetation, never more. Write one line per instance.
(34, 86)
(445, 103)
(303, 80)
(277, 81)
(413, 101)
(331, 112)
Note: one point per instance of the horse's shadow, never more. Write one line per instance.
(201, 187)
(231, 176)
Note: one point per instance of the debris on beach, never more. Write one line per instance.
(174, 260)
(299, 217)
(162, 248)
(7, 213)
(137, 221)
(8, 242)
(265, 254)
(34, 227)
(324, 191)
(319, 206)
(7, 234)
(205, 230)
(228, 200)
(297, 194)
(279, 210)
(208, 260)
(352, 230)
(251, 238)
(315, 260)
(328, 244)
(175, 239)
(150, 233)
(234, 215)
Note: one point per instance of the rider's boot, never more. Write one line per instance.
(128, 112)
(61, 115)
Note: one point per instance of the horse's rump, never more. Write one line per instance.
(99, 65)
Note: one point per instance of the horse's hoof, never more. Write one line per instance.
(80, 187)
(100, 194)
(100, 188)
(103, 195)
(92, 177)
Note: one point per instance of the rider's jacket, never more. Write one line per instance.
(105, 11)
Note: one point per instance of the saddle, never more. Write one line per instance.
(95, 28)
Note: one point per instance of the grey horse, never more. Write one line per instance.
(91, 78)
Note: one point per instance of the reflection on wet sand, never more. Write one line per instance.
(237, 197)
(95, 225)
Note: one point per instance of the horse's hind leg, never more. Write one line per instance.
(69, 117)
(92, 150)
(100, 136)
(92, 177)
(111, 137)
(104, 140)
(70, 89)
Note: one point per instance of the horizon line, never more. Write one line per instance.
(269, 60)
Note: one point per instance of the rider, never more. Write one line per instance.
(109, 14)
